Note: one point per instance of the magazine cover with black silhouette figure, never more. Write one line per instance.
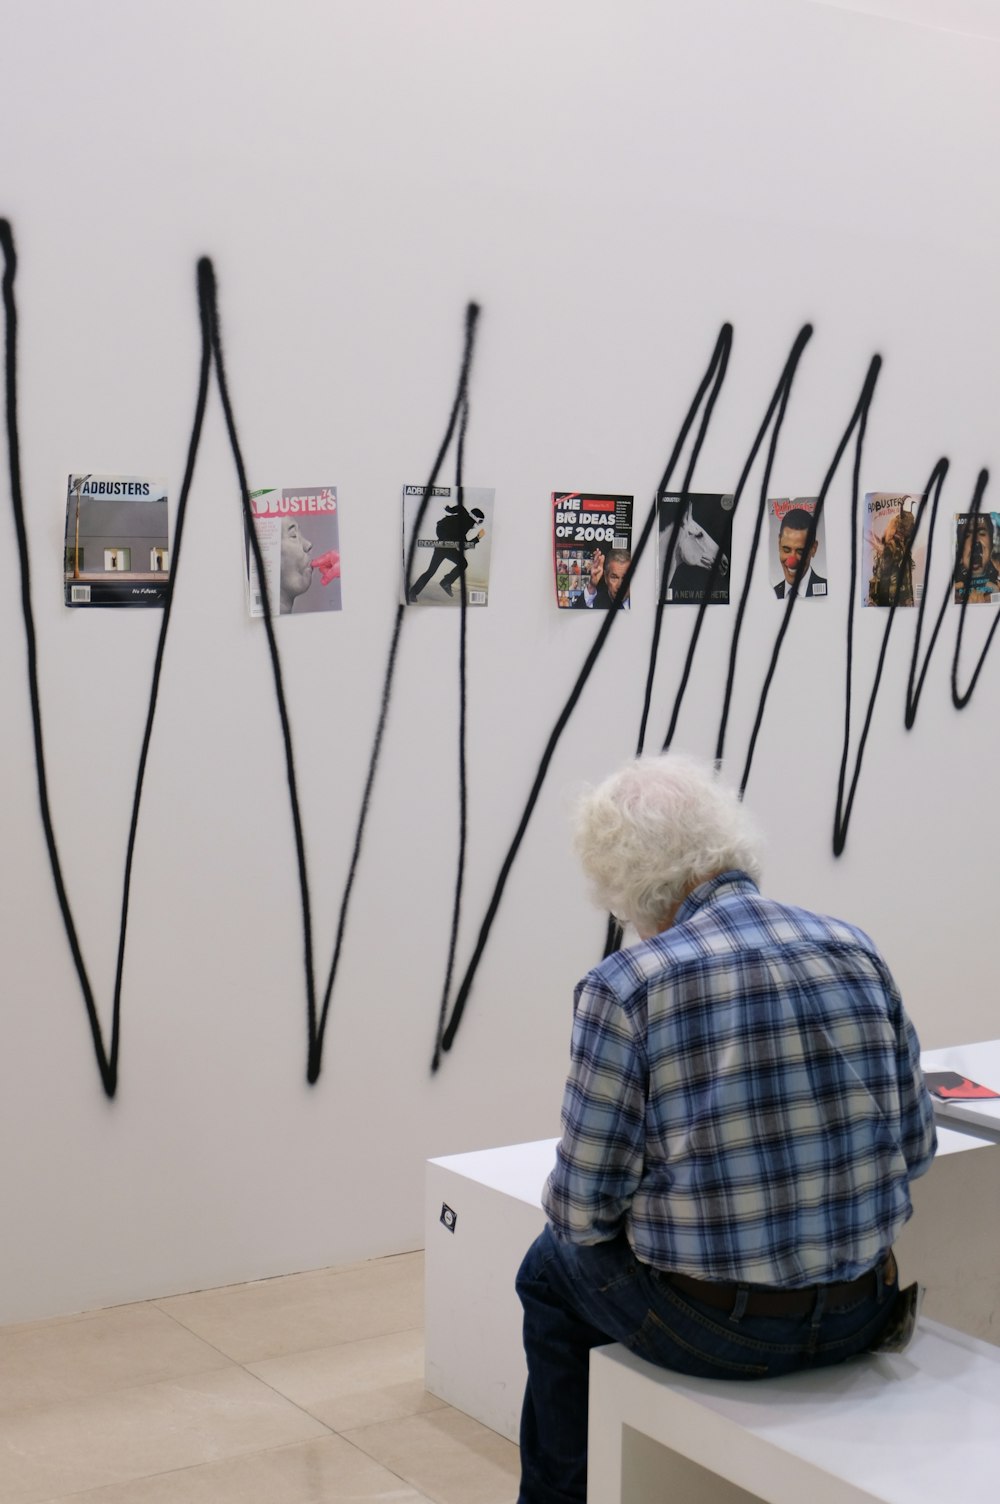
(454, 543)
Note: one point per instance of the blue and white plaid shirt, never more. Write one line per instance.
(745, 1097)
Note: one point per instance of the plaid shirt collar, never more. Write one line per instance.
(706, 892)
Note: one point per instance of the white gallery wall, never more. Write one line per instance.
(611, 181)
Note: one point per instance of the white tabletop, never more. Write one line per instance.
(518, 1170)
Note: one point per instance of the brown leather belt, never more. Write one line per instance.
(762, 1302)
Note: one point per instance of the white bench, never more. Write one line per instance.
(473, 1352)
(919, 1427)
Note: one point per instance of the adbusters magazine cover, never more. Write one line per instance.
(896, 565)
(977, 557)
(116, 551)
(298, 532)
(454, 543)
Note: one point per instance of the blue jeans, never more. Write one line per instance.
(576, 1298)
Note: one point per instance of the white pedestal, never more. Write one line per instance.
(473, 1356)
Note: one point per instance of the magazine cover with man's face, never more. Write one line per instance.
(790, 523)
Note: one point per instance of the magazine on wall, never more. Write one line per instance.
(592, 548)
(298, 532)
(116, 551)
(896, 560)
(977, 557)
(789, 525)
(694, 548)
(454, 543)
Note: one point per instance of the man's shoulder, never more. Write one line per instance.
(737, 922)
(626, 975)
(792, 916)
(745, 919)
(788, 925)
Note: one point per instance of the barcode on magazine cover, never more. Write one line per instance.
(477, 597)
(621, 540)
(79, 593)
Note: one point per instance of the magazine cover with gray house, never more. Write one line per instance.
(116, 541)
(455, 541)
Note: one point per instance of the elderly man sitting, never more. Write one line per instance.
(743, 1115)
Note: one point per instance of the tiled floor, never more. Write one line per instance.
(303, 1390)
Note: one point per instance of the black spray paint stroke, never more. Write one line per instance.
(776, 410)
(858, 421)
(915, 690)
(778, 404)
(107, 1059)
(211, 327)
(458, 411)
(447, 1037)
(317, 1029)
(463, 773)
(915, 682)
(958, 699)
(706, 418)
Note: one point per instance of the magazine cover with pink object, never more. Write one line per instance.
(298, 532)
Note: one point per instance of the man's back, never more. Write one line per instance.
(769, 1104)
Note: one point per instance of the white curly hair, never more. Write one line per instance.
(652, 831)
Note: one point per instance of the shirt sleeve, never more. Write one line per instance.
(918, 1136)
(599, 1160)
